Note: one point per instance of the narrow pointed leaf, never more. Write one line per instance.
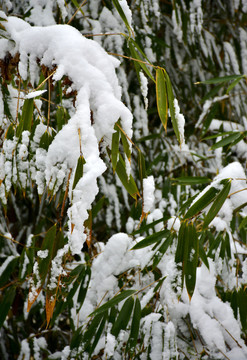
(123, 317)
(79, 171)
(128, 183)
(217, 204)
(5, 303)
(203, 255)
(135, 326)
(98, 333)
(141, 166)
(190, 263)
(227, 140)
(114, 301)
(139, 63)
(125, 145)
(122, 14)
(171, 107)
(47, 244)
(233, 84)
(10, 268)
(151, 239)
(161, 97)
(115, 147)
(26, 117)
(221, 79)
(201, 203)
(180, 247)
(191, 180)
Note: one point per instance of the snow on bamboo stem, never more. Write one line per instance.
(92, 73)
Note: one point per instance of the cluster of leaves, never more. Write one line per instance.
(34, 221)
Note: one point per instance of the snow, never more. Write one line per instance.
(148, 194)
(34, 94)
(93, 77)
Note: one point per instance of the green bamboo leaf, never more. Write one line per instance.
(76, 338)
(214, 245)
(212, 93)
(191, 180)
(5, 303)
(46, 140)
(115, 147)
(219, 134)
(151, 239)
(242, 301)
(79, 171)
(10, 268)
(48, 243)
(135, 326)
(210, 116)
(161, 97)
(162, 250)
(123, 317)
(191, 260)
(126, 146)
(233, 84)
(146, 227)
(128, 183)
(243, 223)
(98, 333)
(142, 167)
(171, 106)
(217, 204)
(203, 255)
(180, 247)
(84, 287)
(139, 63)
(98, 206)
(221, 79)
(227, 140)
(201, 203)
(122, 14)
(114, 301)
(26, 117)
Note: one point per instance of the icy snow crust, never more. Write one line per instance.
(92, 72)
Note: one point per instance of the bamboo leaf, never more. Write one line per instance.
(217, 204)
(10, 268)
(139, 63)
(141, 166)
(5, 303)
(161, 97)
(191, 260)
(48, 243)
(26, 117)
(191, 180)
(98, 333)
(171, 107)
(221, 79)
(84, 287)
(114, 301)
(180, 246)
(151, 239)
(122, 14)
(201, 203)
(79, 171)
(115, 147)
(135, 326)
(128, 183)
(227, 140)
(123, 317)
(126, 145)
(203, 255)
(162, 250)
(233, 84)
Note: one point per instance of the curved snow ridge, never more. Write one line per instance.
(98, 107)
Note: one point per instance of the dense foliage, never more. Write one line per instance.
(123, 219)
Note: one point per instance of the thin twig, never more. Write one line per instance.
(79, 8)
